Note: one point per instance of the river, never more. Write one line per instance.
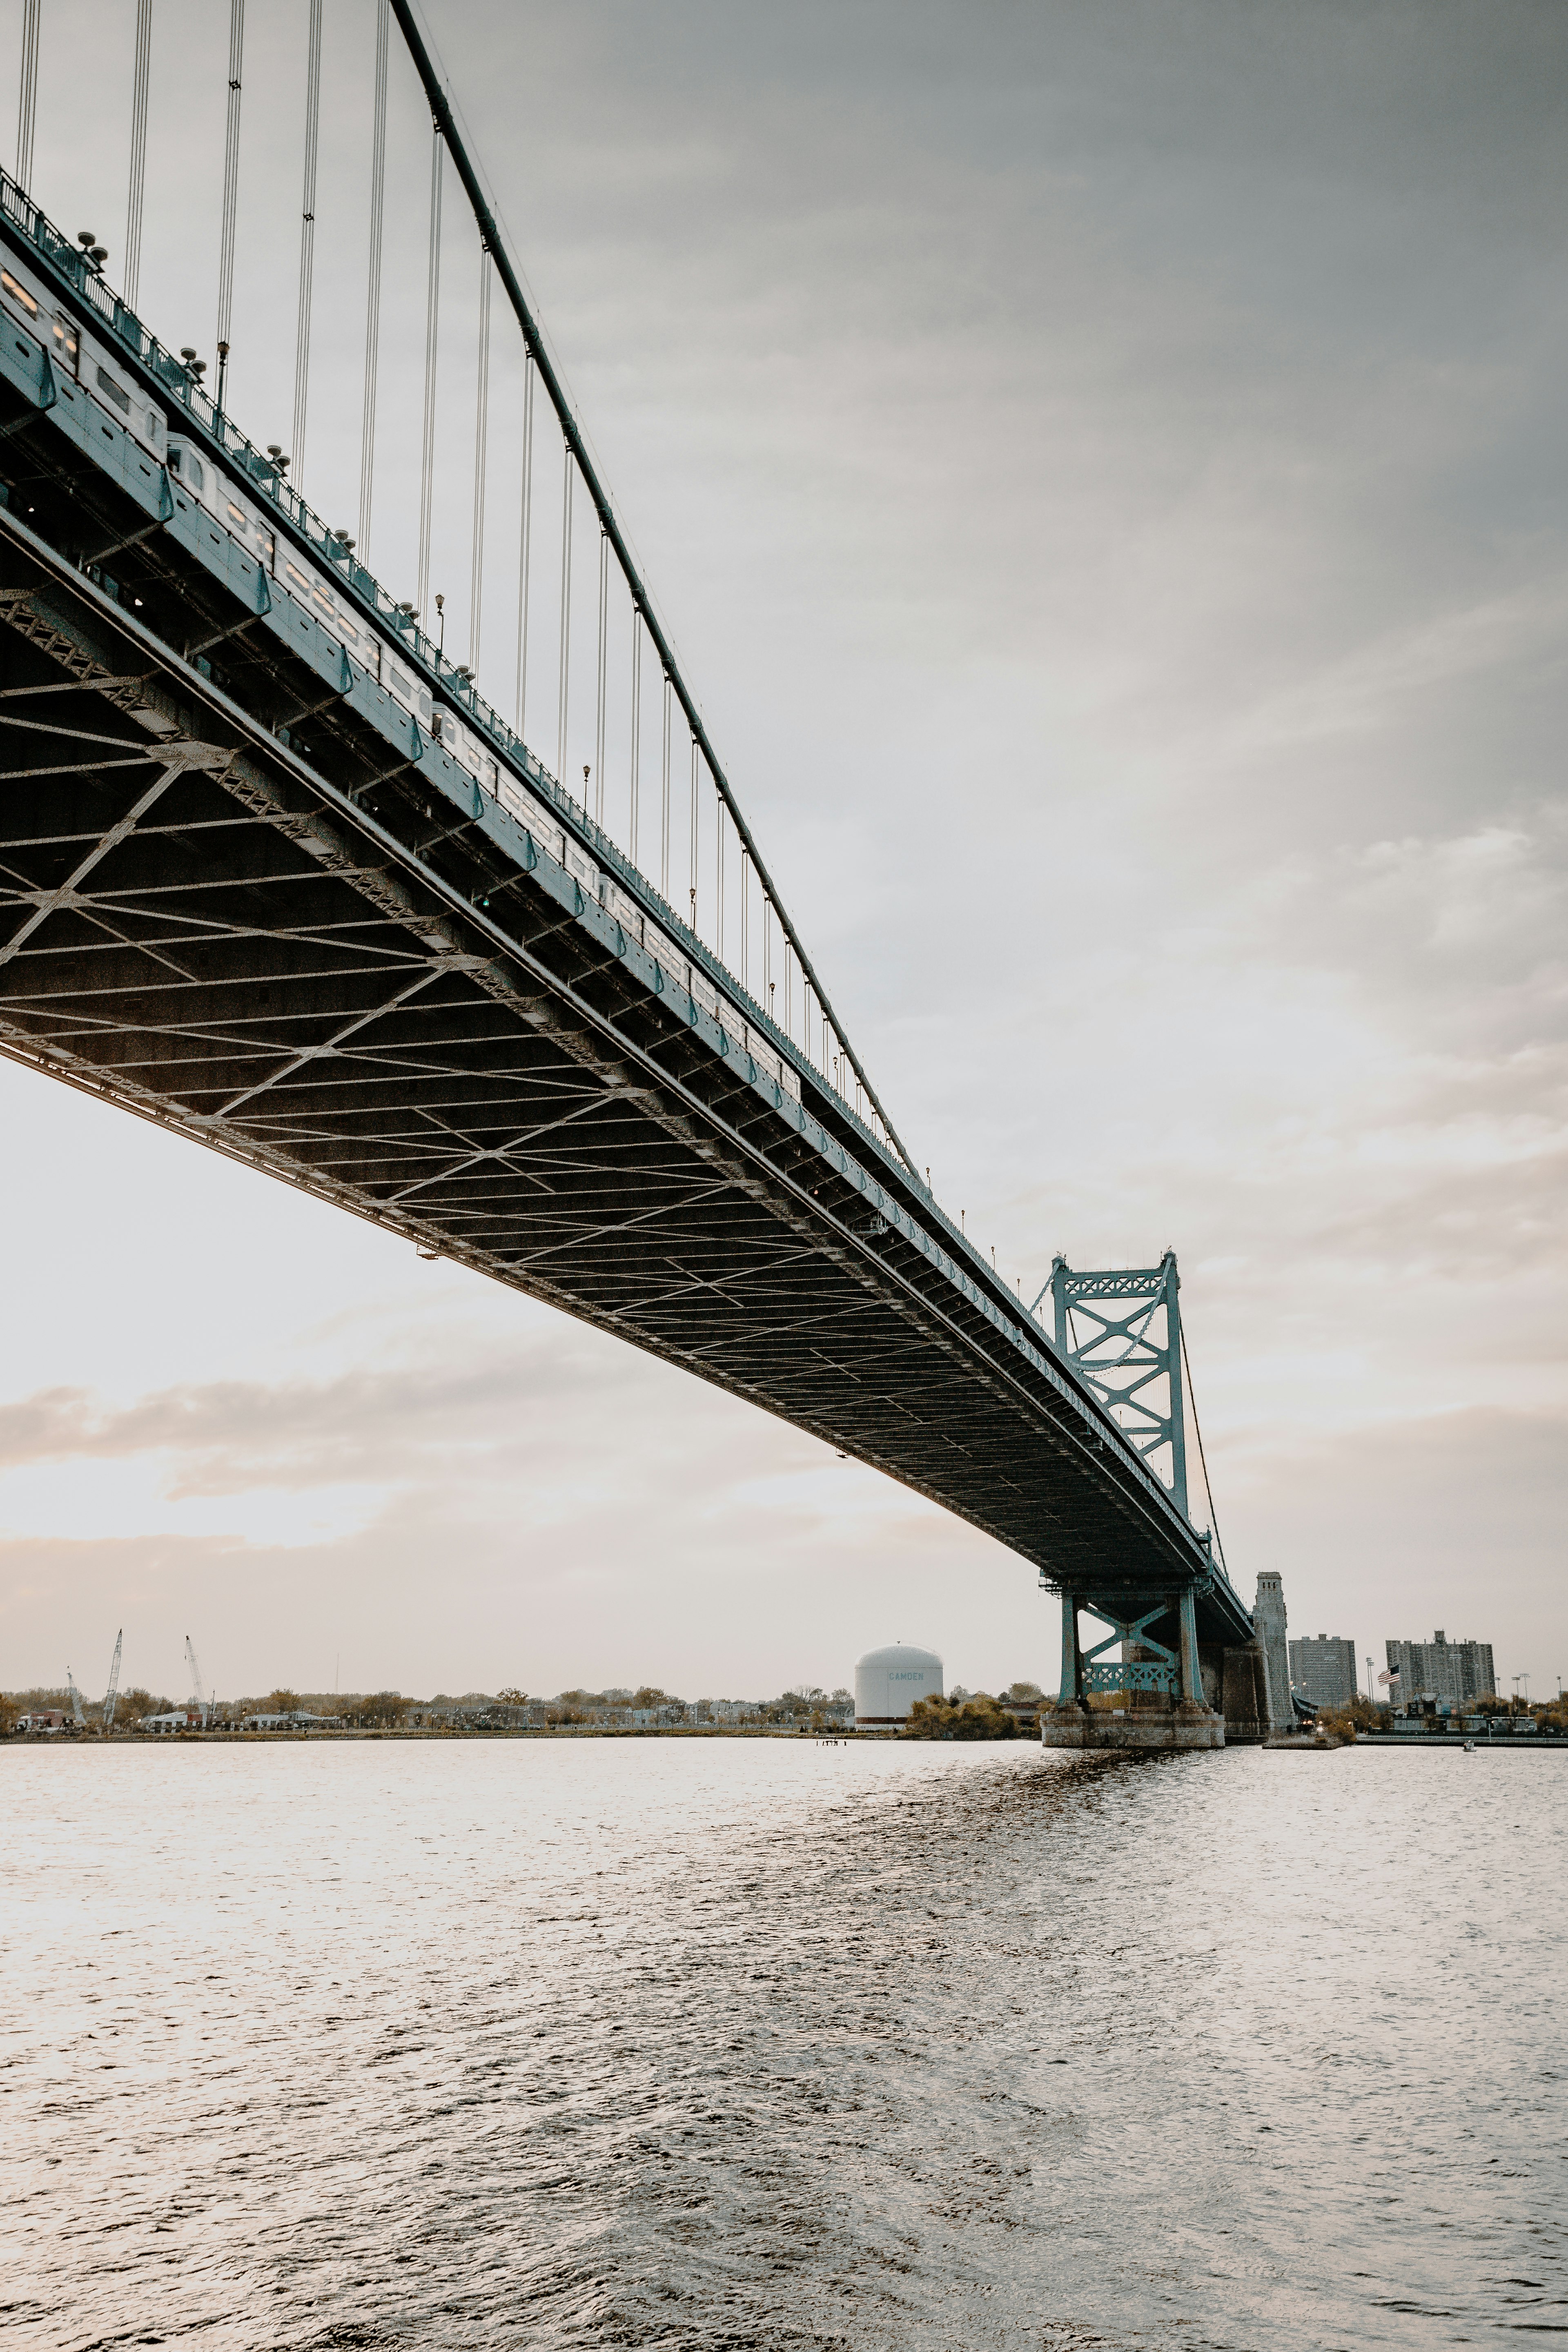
(732, 2046)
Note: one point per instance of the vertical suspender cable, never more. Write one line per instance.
(637, 730)
(230, 194)
(432, 345)
(719, 880)
(745, 922)
(604, 659)
(566, 608)
(131, 276)
(664, 805)
(27, 96)
(481, 453)
(525, 534)
(694, 808)
(372, 288)
(307, 240)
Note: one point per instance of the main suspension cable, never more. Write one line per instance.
(307, 240)
(135, 194)
(441, 107)
(1198, 1434)
(372, 288)
(230, 195)
(432, 325)
(481, 452)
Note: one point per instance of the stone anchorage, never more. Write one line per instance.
(1166, 1693)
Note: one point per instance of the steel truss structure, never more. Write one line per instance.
(240, 897)
(1132, 1359)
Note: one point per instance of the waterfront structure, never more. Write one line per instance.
(888, 1682)
(297, 1720)
(1437, 1670)
(1323, 1669)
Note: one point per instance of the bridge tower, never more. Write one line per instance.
(1120, 1330)
(1132, 1358)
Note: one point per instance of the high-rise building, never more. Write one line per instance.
(1323, 1670)
(1440, 1669)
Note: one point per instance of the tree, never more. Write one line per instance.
(283, 1702)
(134, 1704)
(1026, 1694)
(388, 1706)
(980, 1717)
(511, 1697)
(650, 1696)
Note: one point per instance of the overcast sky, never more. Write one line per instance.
(1102, 466)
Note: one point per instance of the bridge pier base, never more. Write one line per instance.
(1141, 1730)
(1246, 1720)
(1185, 1720)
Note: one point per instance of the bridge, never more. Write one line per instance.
(276, 876)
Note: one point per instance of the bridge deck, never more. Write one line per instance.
(239, 903)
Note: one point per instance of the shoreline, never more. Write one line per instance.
(235, 1738)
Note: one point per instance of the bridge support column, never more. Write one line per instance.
(1159, 1691)
(1195, 1710)
(1070, 1695)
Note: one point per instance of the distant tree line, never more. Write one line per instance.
(976, 1715)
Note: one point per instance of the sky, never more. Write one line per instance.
(1100, 466)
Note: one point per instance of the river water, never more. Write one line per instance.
(754, 2044)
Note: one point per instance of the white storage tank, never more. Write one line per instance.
(888, 1682)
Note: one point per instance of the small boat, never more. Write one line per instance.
(1469, 1747)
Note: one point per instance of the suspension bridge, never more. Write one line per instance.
(276, 875)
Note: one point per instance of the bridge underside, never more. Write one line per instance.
(327, 962)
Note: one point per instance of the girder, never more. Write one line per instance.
(237, 915)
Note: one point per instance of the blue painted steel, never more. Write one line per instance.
(1124, 1357)
(1126, 1675)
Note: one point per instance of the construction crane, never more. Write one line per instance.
(204, 1704)
(76, 1700)
(114, 1691)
